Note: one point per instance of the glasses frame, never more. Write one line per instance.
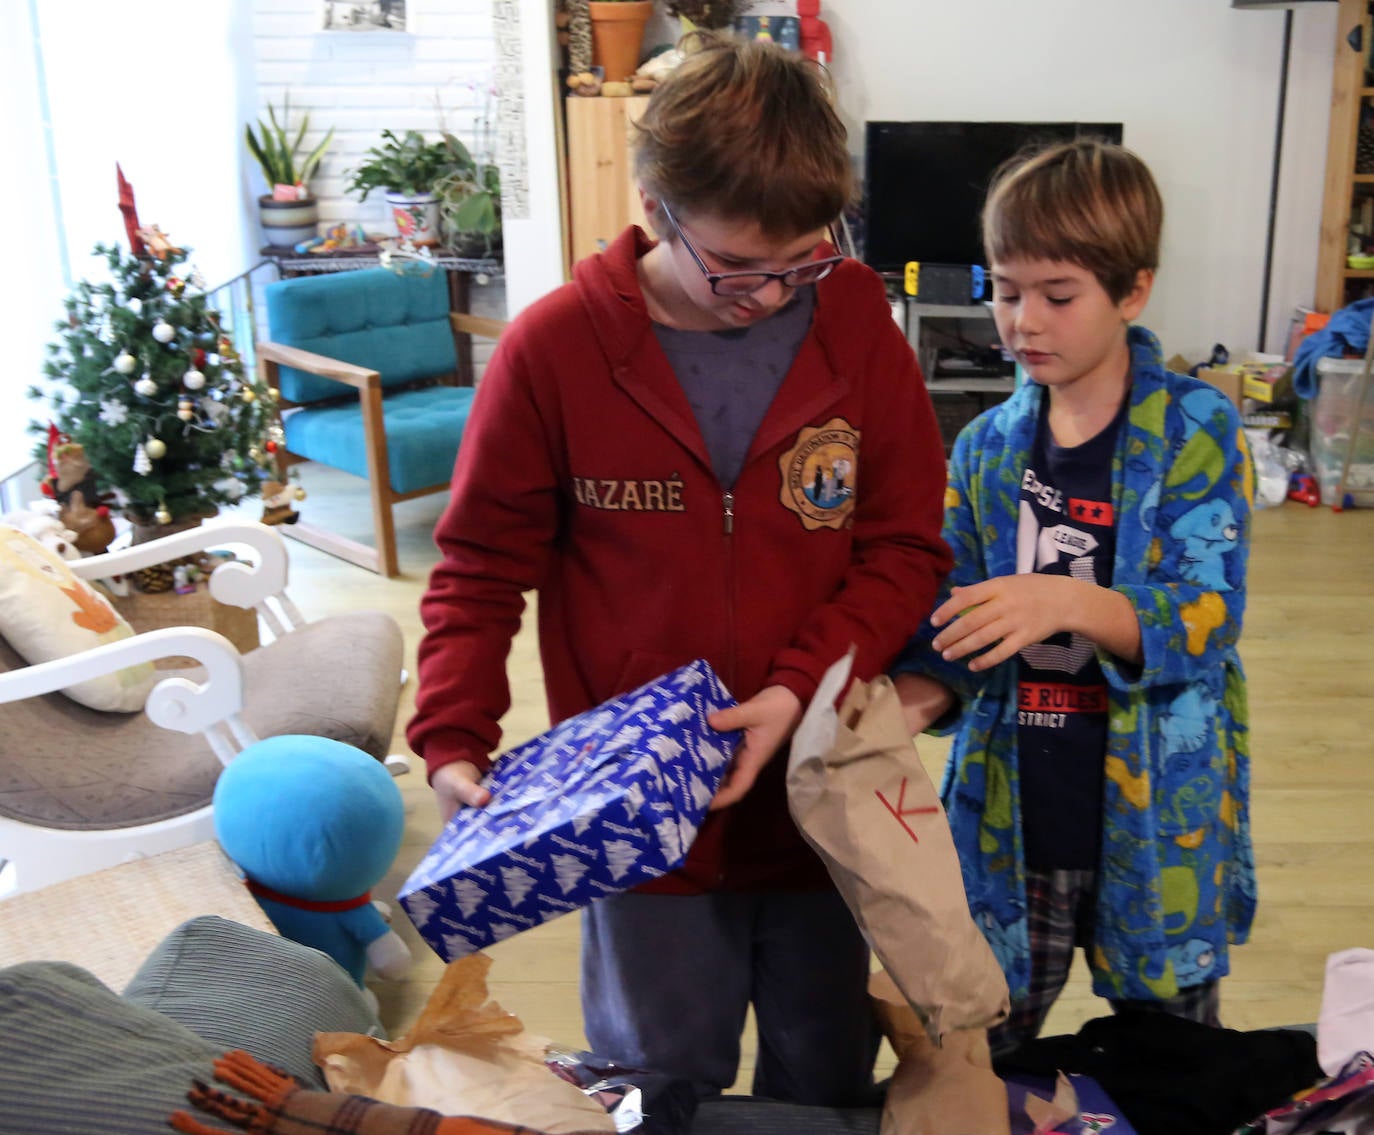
(827, 264)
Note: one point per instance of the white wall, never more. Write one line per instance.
(154, 85)
(1195, 84)
(434, 74)
(151, 84)
(437, 74)
(28, 311)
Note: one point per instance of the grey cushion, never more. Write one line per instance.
(338, 678)
(237, 987)
(75, 1059)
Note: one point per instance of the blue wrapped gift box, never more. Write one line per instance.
(600, 803)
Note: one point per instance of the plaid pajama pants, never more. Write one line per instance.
(1060, 909)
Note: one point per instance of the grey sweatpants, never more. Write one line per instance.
(667, 981)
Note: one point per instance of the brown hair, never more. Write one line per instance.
(1088, 202)
(742, 129)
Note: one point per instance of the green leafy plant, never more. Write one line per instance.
(706, 13)
(278, 153)
(409, 164)
(469, 190)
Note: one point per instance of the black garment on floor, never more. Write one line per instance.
(1171, 1076)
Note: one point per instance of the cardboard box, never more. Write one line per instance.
(600, 803)
(1228, 380)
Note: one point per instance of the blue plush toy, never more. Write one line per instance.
(314, 824)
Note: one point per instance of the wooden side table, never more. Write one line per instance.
(460, 270)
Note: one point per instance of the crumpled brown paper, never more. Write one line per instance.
(862, 799)
(465, 1055)
(950, 1090)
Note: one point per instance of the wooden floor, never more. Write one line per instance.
(1309, 651)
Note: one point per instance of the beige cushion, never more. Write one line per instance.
(47, 613)
(125, 770)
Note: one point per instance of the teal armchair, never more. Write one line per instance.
(366, 363)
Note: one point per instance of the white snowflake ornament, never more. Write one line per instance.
(113, 413)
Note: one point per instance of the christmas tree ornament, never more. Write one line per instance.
(155, 448)
(130, 213)
(113, 413)
(274, 394)
(270, 446)
(255, 455)
(146, 386)
(163, 515)
(247, 394)
(142, 463)
(175, 286)
(136, 306)
(125, 362)
(164, 332)
(185, 411)
(193, 379)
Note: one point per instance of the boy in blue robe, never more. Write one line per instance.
(1084, 651)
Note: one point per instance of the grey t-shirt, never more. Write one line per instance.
(730, 377)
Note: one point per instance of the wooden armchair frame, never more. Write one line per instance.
(382, 558)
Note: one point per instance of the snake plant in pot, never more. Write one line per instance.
(288, 212)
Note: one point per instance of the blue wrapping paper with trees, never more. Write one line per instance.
(600, 803)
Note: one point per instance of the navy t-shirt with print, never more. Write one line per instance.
(1066, 528)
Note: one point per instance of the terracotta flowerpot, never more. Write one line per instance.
(617, 35)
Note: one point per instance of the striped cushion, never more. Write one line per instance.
(236, 987)
(76, 1059)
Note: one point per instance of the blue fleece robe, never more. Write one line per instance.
(1176, 879)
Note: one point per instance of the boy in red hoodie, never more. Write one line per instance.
(714, 446)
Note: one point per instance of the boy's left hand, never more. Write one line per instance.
(1004, 614)
(767, 720)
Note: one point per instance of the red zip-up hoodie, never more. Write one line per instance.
(582, 474)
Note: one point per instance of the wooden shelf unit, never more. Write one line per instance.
(1348, 192)
(603, 197)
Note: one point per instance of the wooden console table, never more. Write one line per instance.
(460, 270)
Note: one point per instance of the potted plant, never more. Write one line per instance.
(409, 169)
(288, 212)
(617, 35)
(709, 14)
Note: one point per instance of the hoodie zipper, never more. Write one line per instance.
(728, 531)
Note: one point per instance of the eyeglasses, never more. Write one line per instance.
(747, 283)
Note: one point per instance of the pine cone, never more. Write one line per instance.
(153, 579)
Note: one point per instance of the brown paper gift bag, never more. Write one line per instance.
(464, 1056)
(861, 798)
(950, 1090)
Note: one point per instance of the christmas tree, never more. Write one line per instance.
(146, 381)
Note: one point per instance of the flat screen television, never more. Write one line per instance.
(924, 184)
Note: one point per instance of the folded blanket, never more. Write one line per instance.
(280, 1106)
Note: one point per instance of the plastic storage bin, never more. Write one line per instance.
(1333, 422)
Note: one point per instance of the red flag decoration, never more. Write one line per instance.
(130, 211)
